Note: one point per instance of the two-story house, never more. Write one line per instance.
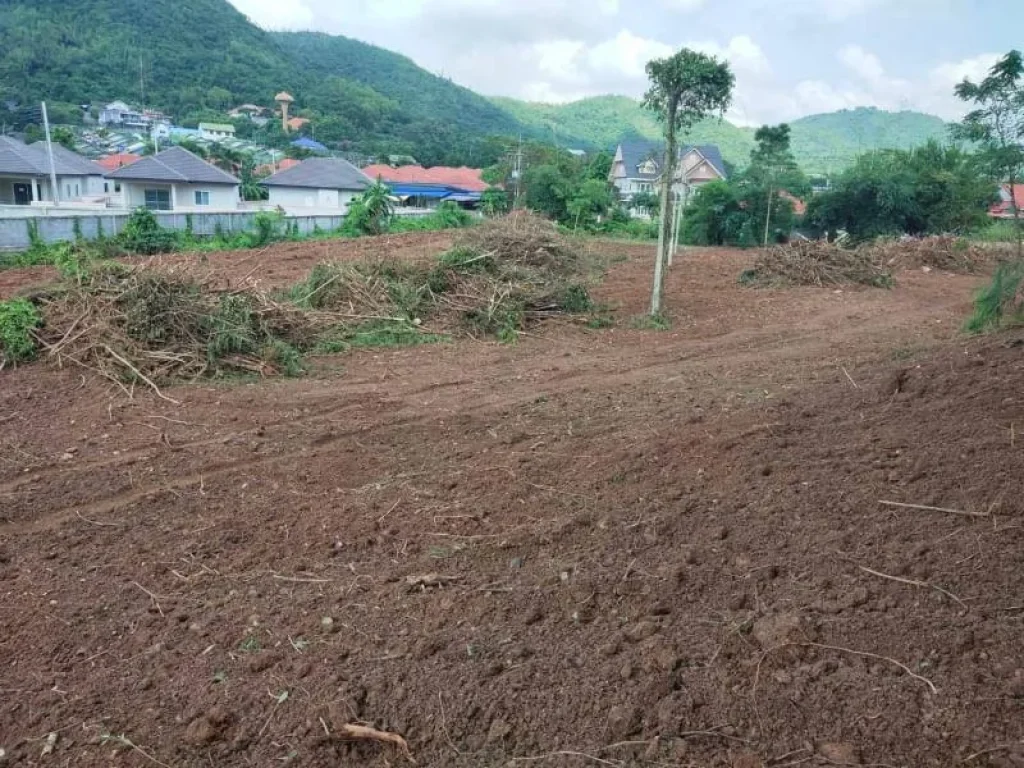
(637, 169)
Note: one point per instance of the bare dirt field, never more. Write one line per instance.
(607, 547)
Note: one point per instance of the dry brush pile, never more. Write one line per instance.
(817, 262)
(149, 325)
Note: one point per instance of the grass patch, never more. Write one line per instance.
(376, 333)
(658, 322)
(598, 322)
(18, 318)
(1001, 302)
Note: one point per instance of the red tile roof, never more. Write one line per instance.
(799, 206)
(113, 162)
(284, 165)
(464, 178)
(296, 123)
(1004, 209)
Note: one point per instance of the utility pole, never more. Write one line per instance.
(49, 151)
(517, 172)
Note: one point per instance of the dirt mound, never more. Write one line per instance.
(816, 262)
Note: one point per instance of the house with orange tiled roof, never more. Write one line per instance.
(1003, 209)
(420, 187)
(113, 162)
(468, 179)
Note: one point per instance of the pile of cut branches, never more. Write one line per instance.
(946, 253)
(147, 325)
(816, 262)
(525, 240)
(151, 324)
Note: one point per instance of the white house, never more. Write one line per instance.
(25, 177)
(319, 183)
(177, 180)
(637, 168)
(216, 131)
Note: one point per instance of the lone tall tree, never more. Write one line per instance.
(997, 125)
(685, 88)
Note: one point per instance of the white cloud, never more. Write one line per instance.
(863, 64)
(626, 55)
(275, 14)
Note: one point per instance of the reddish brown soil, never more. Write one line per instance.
(645, 547)
(273, 266)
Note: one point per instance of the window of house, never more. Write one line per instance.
(67, 188)
(158, 199)
(202, 197)
(648, 167)
(77, 193)
(117, 186)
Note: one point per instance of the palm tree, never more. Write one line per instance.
(379, 209)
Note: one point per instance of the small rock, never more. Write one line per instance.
(773, 631)
(498, 731)
(843, 754)
(200, 731)
(49, 744)
(610, 649)
(515, 563)
(623, 721)
(641, 631)
(327, 624)
(533, 615)
(626, 672)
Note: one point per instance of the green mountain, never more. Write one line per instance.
(821, 143)
(196, 58)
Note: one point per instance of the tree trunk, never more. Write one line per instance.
(1016, 219)
(665, 225)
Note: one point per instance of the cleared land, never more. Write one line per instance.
(593, 547)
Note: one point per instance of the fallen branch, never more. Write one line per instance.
(141, 375)
(914, 583)
(926, 508)
(354, 732)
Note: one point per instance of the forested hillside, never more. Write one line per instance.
(197, 58)
(821, 143)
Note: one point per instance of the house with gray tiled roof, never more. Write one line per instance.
(177, 180)
(323, 183)
(25, 174)
(638, 165)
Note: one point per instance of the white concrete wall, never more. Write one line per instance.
(299, 200)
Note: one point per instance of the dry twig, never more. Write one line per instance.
(355, 732)
(926, 508)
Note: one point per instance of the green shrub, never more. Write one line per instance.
(17, 319)
(1000, 302)
(143, 234)
(270, 227)
(576, 300)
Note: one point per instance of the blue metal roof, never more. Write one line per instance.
(464, 197)
(434, 191)
(307, 143)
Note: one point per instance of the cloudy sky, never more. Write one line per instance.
(791, 57)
